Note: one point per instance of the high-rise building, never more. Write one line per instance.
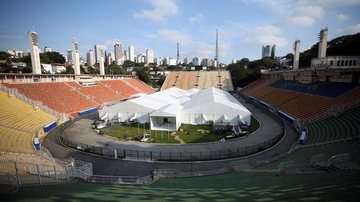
(296, 54)
(205, 62)
(97, 49)
(70, 56)
(110, 58)
(131, 53)
(76, 57)
(47, 49)
(196, 61)
(273, 51)
(266, 52)
(34, 52)
(65, 55)
(323, 35)
(119, 54)
(90, 58)
(149, 56)
(126, 53)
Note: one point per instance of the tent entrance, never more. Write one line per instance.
(163, 123)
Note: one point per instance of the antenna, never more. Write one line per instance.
(177, 53)
(217, 47)
(33, 28)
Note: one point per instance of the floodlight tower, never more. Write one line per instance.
(217, 47)
(296, 54)
(34, 52)
(76, 57)
(323, 35)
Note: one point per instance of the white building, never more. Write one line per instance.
(168, 109)
(47, 49)
(131, 53)
(101, 55)
(97, 49)
(34, 52)
(196, 61)
(110, 58)
(69, 56)
(149, 56)
(76, 57)
(336, 62)
(119, 54)
(90, 58)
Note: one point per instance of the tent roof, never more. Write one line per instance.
(214, 95)
(169, 110)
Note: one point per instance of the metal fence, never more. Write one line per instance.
(172, 155)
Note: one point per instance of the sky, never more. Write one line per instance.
(243, 25)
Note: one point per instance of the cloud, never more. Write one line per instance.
(306, 15)
(263, 35)
(341, 17)
(162, 9)
(352, 29)
(196, 19)
(9, 37)
(172, 36)
(112, 42)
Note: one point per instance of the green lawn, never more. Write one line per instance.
(190, 133)
(340, 186)
(197, 133)
(135, 130)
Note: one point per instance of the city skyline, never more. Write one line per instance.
(243, 26)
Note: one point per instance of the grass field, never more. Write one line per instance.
(190, 133)
(341, 186)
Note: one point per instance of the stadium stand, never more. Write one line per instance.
(56, 95)
(99, 93)
(120, 87)
(19, 115)
(328, 89)
(302, 156)
(139, 85)
(12, 140)
(18, 122)
(300, 101)
(198, 79)
(334, 128)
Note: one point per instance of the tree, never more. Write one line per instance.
(69, 70)
(143, 75)
(5, 68)
(115, 69)
(128, 63)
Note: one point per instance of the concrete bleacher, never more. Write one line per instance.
(120, 87)
(198, 79)
(18, 122)
(335, 128)
(100, 93)
(328, 89)
(56, 95)
(140, 86)
(305, 106)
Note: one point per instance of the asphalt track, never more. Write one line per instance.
(80, 131)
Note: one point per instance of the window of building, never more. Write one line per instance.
(350, 62)
(342, 63)
(338, 63)
(354, 62)
(346, 62)
(331, 62)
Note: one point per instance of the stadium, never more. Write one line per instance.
(291, 134)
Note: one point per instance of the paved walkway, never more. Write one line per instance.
(81, 132)
(107, 166)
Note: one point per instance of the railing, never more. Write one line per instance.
(169, 155)
(340, 158)
(160, 173)
(37, 104)
(105, 179)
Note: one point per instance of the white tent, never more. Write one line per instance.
(213, 104)
(167, 109)
(166, 118)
